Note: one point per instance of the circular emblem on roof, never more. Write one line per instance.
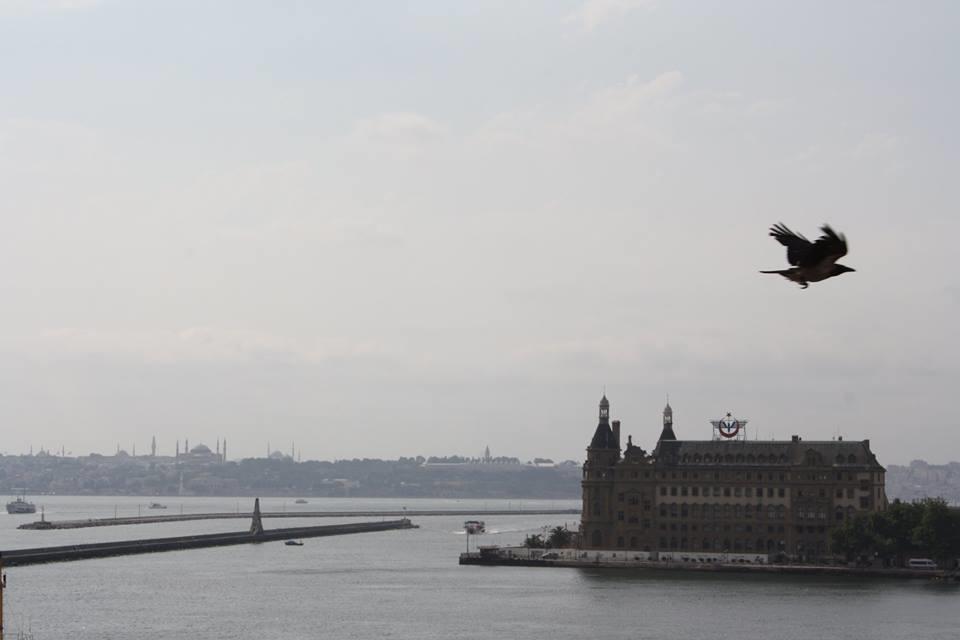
(729, 426)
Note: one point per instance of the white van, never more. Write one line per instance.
(921, 563)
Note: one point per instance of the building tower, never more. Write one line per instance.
(224, 458)
(667, 433)
(176, 451)
(153, 447)
(602, 454)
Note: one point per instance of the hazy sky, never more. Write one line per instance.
(398, 228)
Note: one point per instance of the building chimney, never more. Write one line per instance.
(795, 438)
(616, 432)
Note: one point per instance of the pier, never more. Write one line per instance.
(108, 522)
(256, 534)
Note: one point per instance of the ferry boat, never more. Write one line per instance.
(20, 505)
(300, 501)
(157, 505)
(474, 527)
(294, 543)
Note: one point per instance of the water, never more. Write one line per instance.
(407, 584)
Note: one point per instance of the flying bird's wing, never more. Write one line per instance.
(828, 248)
(797, 246)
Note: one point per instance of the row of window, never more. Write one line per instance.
(838, 476)
(727, 492)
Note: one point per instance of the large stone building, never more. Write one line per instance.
(729, 494)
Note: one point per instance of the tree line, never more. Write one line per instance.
(925, 528)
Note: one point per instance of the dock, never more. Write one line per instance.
(44, 524)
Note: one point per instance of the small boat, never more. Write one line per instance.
(300, 501)
(294, 543)
(474, 527)
(20, 505)
(157, 505)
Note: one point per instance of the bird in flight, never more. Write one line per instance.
(812, 261)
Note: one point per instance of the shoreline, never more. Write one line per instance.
(504, 560)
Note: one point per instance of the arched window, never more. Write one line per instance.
(708, 458)
(596, 539)
(751, 459)
(697, 458)
(728, 458)
(739, 458)
(839, 458)
(782, 458)
(686, 458)
(852, 459)
(761, 459)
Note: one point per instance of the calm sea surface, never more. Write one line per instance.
(407, 584)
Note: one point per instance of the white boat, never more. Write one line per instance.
(157, 505)
(474, 527)
(20, 505)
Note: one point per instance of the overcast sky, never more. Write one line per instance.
(397, 228)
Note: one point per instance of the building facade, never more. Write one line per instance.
(725, 495)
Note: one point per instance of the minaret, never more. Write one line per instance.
(224, 458)
(153, 447)
(186, 446)
(134, 449)
(176, 453)
(218, 448)
(667, 433)
(486, 454)
(598, 472)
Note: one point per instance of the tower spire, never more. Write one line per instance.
(667, 433)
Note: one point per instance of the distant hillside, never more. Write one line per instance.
(922, 480)
(205, 475)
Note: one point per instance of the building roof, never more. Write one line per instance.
(794, 452)
(603, 438)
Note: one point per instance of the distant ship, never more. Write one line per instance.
(474, 527)
(300, 501)
(20, 505)
(157, 505)
(294, 543)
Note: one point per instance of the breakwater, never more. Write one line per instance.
(108, 522)
(20, 557)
